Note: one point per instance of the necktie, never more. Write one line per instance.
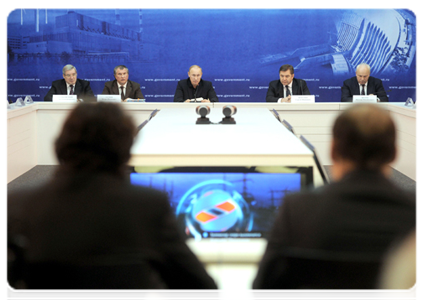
(362, 90)
(71, 90)
(122, 93)
(287, 91)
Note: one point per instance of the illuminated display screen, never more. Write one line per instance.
(224, 204)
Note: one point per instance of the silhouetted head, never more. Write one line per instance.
(364, 136)
(96, 137)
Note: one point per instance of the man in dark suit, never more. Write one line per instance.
(281, 90)
(363, 84)
(70, 85)
(195, 88)
(88, 221)
(127, 89)
(336, 236)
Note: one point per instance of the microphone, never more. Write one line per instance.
(203, 111)
(228, 111)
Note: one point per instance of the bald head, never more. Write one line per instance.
(362, 73)
(363, 67)
(364, 135)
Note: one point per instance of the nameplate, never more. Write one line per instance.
(64, 98)
(135, 100)
(302, 99)
(364, 99)
(109, 98)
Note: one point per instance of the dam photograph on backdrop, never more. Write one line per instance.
(239, 50)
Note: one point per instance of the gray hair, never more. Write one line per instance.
(120, 67)
(68, 68)
(363, 65)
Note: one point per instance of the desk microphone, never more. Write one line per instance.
(203, 111)
(228, 111)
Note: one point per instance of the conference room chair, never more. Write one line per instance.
(141, 126)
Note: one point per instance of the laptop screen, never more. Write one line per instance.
(225, 202)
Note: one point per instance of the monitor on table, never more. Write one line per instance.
(224, 202)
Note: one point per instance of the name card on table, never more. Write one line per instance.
(109, 98)
(64, 98)
(302, 99)
(135, 100)
(364, 99)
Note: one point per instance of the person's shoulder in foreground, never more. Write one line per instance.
(400, 273)
(354, 218)
(90, 215)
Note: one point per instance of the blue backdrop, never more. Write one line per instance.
(239, 50)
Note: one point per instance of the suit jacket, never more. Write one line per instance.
(100, 219)
(356, 218)
(185, 90)
(374, 86)
(133, 89)
(275, 91)
(58, 87)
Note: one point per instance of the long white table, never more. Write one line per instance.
(31, 130)
(173, 139)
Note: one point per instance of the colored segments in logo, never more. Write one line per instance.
(214, 206)
(216, 211)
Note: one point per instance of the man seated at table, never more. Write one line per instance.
(122, 86)
(363, 84)
(195, 88)
(336, 236)
(70, 85)
(281, 90)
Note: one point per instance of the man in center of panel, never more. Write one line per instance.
(195, 89)
(281, 90)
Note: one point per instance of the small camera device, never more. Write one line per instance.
(228, 111)
(203, 111)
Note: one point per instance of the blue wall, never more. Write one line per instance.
(239, 50)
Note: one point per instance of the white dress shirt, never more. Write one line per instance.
(284, 91)
(68, 87)
(124, 88)
(365, 88)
